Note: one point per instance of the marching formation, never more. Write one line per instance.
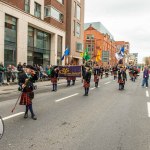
(29, 76)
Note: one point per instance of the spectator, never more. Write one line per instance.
(2, 69)
(145, 77)
(9, 74)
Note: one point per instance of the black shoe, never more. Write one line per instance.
(26, 116)
(53, 90)
(34, 118)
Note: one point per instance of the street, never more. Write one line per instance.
(107, 119)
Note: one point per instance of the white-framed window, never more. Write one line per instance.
(54, 13)
(79, 47)
(78, 29)
(78, 12)
(90, 37)
(37, 10)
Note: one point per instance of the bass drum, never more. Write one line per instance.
(1, 127)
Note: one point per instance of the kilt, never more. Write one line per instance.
(54, 80)
(121, 81)
(73, 78)
(96, 78)
(69, 78)
(25, 99)
(86, 84)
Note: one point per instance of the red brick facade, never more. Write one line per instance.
(17, 3)
(100, 42)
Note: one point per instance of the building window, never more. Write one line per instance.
(78, 12)
(79, 47)
(10, 47)
(91, 47)
(52, 12)
(105, 56)
(90, 37)
(59, 50)
(38, 47)
(37, 10)
(61, 1)
(27, 6)
(78, 30)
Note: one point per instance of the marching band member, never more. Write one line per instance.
(96, 75)
(26, 81)
(122, 77)
(87, 79)
(54, 77)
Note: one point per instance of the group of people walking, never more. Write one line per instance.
(29, 76)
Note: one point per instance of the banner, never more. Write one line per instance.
(69, 71)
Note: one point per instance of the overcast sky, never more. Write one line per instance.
(127, 20)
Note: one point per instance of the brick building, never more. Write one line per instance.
(98, 38)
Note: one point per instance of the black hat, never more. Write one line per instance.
(31, 67)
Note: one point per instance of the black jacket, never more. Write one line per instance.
(87, 76)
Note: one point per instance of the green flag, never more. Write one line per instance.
(86, 55)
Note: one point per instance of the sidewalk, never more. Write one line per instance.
(14, 87)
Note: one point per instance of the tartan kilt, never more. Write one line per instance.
(135, 75)
(68, 78)
(121, 81)
(25, 99)
(73, 78)
(86, 84)
(54, 80)
(131, 74)
(96, 78)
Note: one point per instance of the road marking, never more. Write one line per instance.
(12, 116)
(92, 88)
(66, 97)
(148, 108)
(107, 83)
(147, 93)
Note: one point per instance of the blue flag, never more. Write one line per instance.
(62, 58)
(122, 51)
(66, 53)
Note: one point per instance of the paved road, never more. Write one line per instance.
(108, 119)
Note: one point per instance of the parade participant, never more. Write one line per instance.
(68, 78)
(73, 80)
(101, 71)
(122, 77)
(87, 79)
(145, 77)
(115, 69)
(54, 77)
(96, 74)
(26, 81)
(106, 72)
